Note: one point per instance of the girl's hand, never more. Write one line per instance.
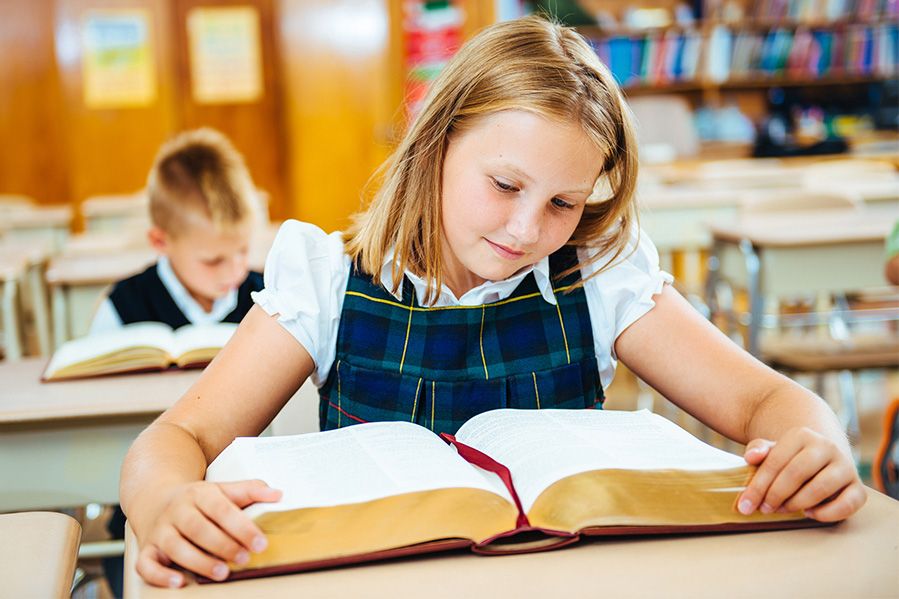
(202, 528)
(804, 471)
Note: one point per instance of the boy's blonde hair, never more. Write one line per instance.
(200, 171)
(527, 64)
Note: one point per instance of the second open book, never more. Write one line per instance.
(509, 481)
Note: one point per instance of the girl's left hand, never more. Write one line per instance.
(804, 471)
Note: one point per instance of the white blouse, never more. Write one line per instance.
(306, 275)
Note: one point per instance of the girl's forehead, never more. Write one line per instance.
(531, 146)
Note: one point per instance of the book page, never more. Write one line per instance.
(542, 446)
(349, 465)
(140, 334)
(202, 336)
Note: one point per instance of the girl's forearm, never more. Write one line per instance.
(163, 458)
(790, 405)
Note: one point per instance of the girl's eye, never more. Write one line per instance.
(560, 203)
(504, 187)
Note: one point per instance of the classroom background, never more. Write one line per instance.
(769, 149)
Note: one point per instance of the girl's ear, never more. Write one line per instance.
(159, 239)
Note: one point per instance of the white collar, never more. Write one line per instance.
(485, 293)
(192, 310)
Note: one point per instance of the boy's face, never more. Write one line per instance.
(514, 188)
(208, 262)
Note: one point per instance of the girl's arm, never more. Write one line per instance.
(173, 512)
(803, 456)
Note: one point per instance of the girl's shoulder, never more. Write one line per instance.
(303, 250)
(639, 255)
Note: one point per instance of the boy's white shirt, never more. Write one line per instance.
(108, 318)
(306, 274)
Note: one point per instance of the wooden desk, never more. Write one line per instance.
(798, 253)
(858, 558)
(62, 444)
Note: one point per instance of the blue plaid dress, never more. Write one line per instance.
(439, 366)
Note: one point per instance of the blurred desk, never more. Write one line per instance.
(62, 443)
(795, 253)
(12, 270)
(857, 558)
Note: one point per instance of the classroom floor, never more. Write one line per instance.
(874, 391)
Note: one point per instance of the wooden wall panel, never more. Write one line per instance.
(254, 127)
(339, 99)
(31, 124)
(110, 150)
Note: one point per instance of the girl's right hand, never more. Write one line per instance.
(201, 529)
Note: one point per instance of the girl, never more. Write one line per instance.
(499, 265)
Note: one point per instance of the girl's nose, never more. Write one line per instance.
(524, 225)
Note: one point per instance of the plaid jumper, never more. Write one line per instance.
(439, 366)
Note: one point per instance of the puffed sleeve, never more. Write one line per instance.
(305, 275)
(620, 294)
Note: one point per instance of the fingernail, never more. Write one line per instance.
(175, 581)
(259, 544)
(766, 509)
(220, 572)
(745, 507)
(241, 558)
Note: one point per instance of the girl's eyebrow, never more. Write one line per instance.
(527, 178)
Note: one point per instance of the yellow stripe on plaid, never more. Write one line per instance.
(406, 342)
(433, 393)
(483, 359)
(564, 336)
(536, 392)
(426, 309)
(339, 411)
(415, 403)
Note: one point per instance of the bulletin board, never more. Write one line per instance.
(118, 69)
(225, 54)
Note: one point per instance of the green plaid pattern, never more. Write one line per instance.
(441, 366)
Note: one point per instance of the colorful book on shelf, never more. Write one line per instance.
(138, 347)
(509, 481)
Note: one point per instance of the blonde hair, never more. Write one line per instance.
(200, 171)
(527, 64)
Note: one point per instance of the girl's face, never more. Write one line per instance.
(514, 189)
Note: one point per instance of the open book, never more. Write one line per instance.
(138, 347)
(510, 481)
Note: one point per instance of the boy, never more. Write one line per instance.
(202, 208)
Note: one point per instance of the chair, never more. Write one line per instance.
(113, 212)
(832, 337)
(38, 554)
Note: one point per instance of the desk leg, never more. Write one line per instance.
(60, 316)
(756, 301)
(41, 315)
(11, 320)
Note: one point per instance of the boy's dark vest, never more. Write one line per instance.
(439, 366)
(143, 298)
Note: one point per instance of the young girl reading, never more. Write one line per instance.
(499, 265)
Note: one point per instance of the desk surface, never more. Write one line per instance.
(24, 399)
(857, 558)
(806, 229)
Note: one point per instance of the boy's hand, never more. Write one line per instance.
(200, 529)
(804, 471)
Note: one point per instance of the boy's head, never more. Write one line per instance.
(202, 208)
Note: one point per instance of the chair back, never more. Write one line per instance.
(38, 554)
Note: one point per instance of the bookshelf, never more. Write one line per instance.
(717, 51)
